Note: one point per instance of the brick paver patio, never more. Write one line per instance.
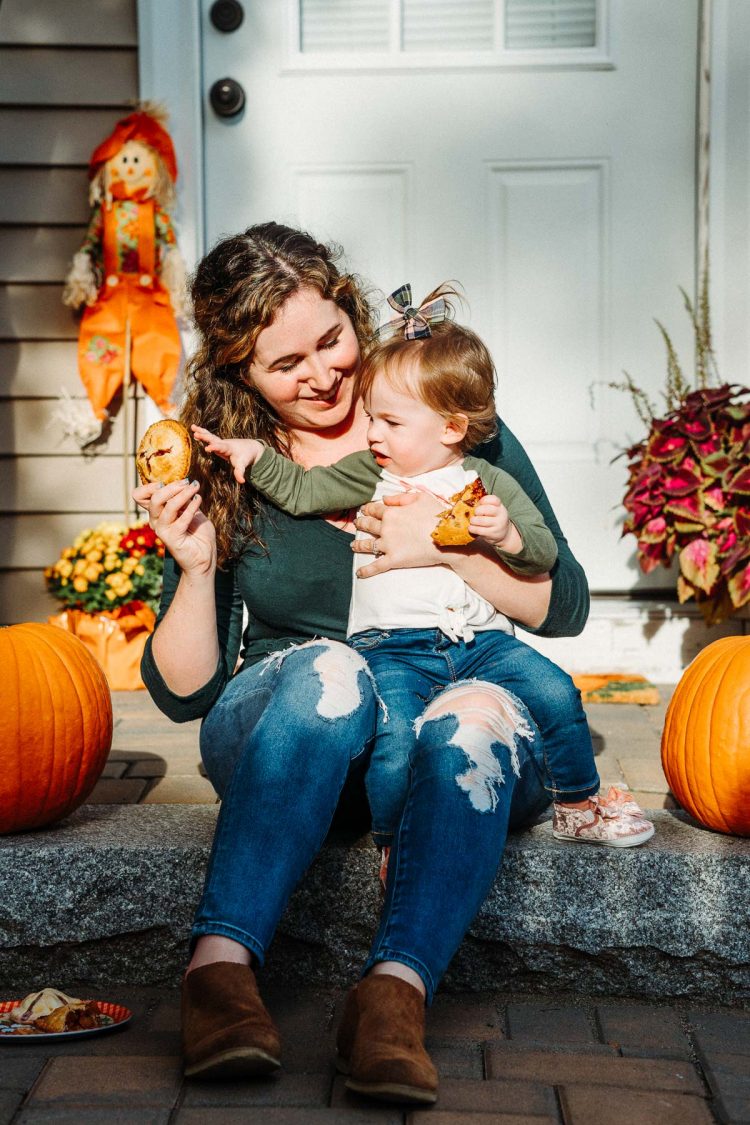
(503, 1060)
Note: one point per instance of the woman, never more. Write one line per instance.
(280, 344)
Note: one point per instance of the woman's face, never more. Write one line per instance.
(305, 360)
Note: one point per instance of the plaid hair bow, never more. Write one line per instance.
(415, 323)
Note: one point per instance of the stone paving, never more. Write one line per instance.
(503, 1058)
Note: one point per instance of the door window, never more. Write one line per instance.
(350, 34)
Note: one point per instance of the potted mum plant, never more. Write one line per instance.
(109, 581)
(688, 490)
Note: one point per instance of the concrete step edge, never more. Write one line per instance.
(109, 896)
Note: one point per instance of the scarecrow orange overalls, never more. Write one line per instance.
(133, 233)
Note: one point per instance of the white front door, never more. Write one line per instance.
(541, 153)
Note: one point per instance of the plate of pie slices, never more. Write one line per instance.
(45, 1021)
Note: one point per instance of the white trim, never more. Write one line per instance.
(729, 224)
(170, 72)
(703, 144)
(717, 168)
(372, 63)
(169, 64)
(652, 637)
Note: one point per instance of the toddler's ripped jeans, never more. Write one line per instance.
(411, 666)
(279, 745)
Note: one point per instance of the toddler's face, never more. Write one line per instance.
(406, 436)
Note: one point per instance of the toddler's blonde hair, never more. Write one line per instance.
(451, 371)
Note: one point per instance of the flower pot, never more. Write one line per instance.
(116, 638)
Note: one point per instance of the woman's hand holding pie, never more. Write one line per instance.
(171, 500)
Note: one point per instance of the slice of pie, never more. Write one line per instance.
(78, 1015)
(452, 528)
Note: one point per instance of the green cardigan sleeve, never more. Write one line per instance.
(539, 550)
(184, 708)
(351, 481)
(569, 603)
(308, 492)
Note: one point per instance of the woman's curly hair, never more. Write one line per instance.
(236, 291)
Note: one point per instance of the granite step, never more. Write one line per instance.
(107, 897)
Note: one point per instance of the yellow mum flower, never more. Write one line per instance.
(64, 568)
(94, 556)
(110, 595)
(92, 572)
(80, 585)
(139, 570)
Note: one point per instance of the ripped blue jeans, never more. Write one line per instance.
(411, 666)
(279, 746)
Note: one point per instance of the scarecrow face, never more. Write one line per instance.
(132, 169)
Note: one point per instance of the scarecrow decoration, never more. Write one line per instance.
(128, 275)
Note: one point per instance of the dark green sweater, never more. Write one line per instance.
(299, 587)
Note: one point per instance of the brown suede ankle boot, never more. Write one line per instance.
(380, 1042)
(226, 1031)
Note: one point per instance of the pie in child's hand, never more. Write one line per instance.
(164, 453)
(452, 529)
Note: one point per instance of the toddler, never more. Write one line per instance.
(428, 390)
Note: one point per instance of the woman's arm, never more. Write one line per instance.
(184, 665)
(556, 606)
(569, 597)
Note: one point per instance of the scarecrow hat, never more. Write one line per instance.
(144, 126)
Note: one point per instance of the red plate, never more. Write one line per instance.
(117, 1013)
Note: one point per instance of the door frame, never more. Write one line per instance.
(170, 71)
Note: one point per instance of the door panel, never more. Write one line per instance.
(561, 198)
(365, 209)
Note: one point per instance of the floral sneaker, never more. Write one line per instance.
(623, 799)
(615, 823)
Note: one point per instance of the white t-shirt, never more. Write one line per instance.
(423, 597)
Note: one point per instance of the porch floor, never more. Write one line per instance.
(154, 761)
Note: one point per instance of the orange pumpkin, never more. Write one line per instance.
(55, 725)
(705, 747)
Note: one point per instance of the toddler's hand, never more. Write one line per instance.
(240, 452)
(490, 522)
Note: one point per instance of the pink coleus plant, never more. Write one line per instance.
(688, 496)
